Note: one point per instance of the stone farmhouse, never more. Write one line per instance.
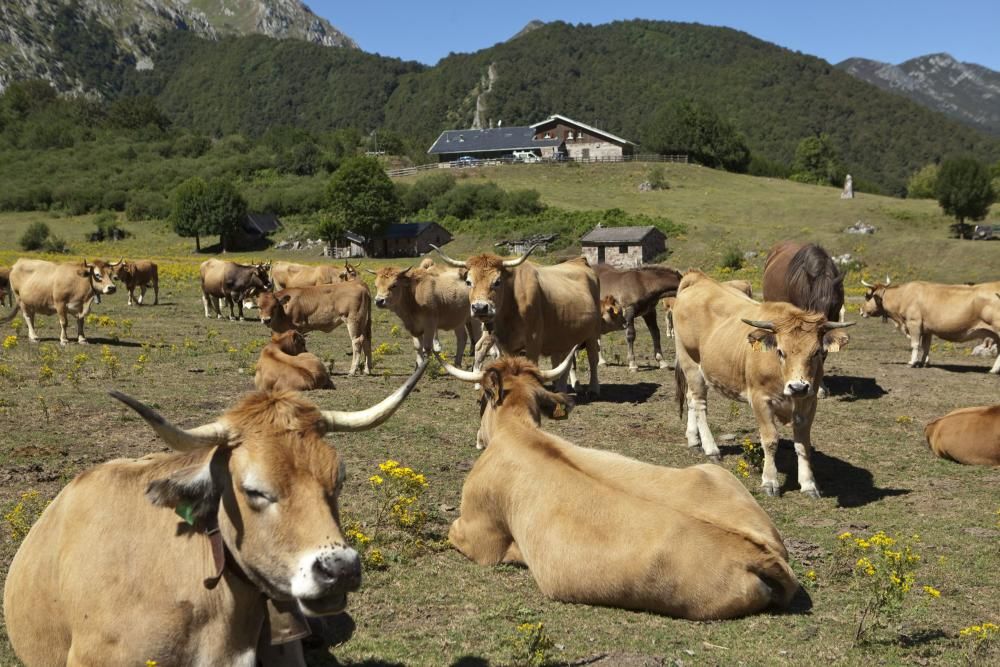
(624, 247)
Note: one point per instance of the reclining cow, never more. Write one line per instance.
(173, 557)
(284, 364)
(968, 435)
(290, 274)
(599, 528)
(46, 288)
(955, 313)
(767, 354)
(324, 308)
(232, 282)
(142, 274)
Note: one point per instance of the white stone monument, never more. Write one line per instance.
(848, 192)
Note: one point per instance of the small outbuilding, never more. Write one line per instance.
(253, 232)
(624, 247)
(348, 245)
(409, 239)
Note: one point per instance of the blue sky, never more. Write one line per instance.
(890, 30)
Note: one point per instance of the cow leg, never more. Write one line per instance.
(668, 320)
(561, 384)
(914, 347)
(484, 346)
(61, 315)
(479, 539)
(630, 338)
(80, 338)
(460, 340)
(358, 351)
(654, 331)
(131, 296)
(418, 348)
(600, 354)
(593, 357)
(514, 555)
(769, 442)
(925, 349)
(802, 419)
(142, 294)
(29, 319)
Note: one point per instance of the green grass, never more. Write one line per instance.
(435, 608)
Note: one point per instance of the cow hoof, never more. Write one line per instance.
(64, 343)
(666, 365)
(714, 458)
(602, 363)
(822, 393)
(82, 341)
(633, 369)
(770, 489)
(812, 493)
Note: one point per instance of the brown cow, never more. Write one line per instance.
(6, 293)
(968, 435)
(638, 290)
(142, 274)
(46, 288)
(804, 275)
(535, 310)
(110, 575)
(741, 286)
(598, 528)
(767, 354)
(284, 364)
(324, 308)
(221, 279)
(955, 313)
(426, 301)
(289, 274)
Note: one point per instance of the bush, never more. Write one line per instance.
(114, 200)
(657, 178)
(107, 228)
(524, 202)
(55, 244)
(35, 236)
(146, 205)
(732, 260)
(922, 183)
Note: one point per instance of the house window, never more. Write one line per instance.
(547, 136)
(623, 250)
(569, 135)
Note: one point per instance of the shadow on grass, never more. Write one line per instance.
(851, 485)
(621, 393)
(112, 342)
(956, 368)
(853, 388)
(921, 637)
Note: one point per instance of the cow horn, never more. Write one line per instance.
(448, 260)
(374, 273)
(866, 283)
(464, 376)
(559, 370)
(759, 324)
(837, 325)
(362, 420)
(209, 435)
(511, 263)
(119, 262)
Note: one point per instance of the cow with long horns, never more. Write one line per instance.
(695, 543)
(769, 355)
(921, 310)
(536, 310)
(175, 557)
(46, 288)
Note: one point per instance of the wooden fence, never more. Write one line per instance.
(494, 162)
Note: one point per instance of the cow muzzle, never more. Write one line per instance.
(331, 576)
(109, 289)
(483, 310)
(381, 301)
(265, 320)
(798, 388)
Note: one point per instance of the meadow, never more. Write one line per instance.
(421, 602)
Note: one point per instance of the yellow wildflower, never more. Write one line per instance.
(9, 342)
(845, 535)
(375, 480)
(931, 591)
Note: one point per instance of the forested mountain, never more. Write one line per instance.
(965, 91)
(84, 46)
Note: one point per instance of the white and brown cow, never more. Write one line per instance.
(769, 355)
(921, 310)
(324, 308)
(968, 435)
(536, 310)
(46, 288)
(284, 364)
(598, 528)
(173, 557)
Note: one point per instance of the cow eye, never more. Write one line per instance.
(496, 282)
(258, 499)
(468, 282)
(781, 354)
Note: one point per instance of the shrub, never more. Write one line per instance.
(55, 244)
(922, 183)
(657, 178)
(732, 260)
(114, 200)
(35, 236)
(146, 205)
(524, 202)
(107, 228)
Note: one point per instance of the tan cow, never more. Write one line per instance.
(955, 313)
(172, 557)
(141, 273)
(324, 308)
(769, 355)
(598, 528)
(289, 274)
(741, 286)
(284, 364)
(426, 301)
(536, 310)
(968, 435)
(233, 282)
(47, 288)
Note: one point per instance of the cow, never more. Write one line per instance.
(535, 310)
(769, 355)
(598, 528)
(968, 435)
(324, 308)
(955, 313)
(233, 282)
(284, 364)
(427, 300)
(46, 288)
(741, 286)
(638, 290)
(142, 274)
(804, 275)
(289, 274)
(6, 294)
(175, 557)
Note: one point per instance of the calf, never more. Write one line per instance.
(968, 435)
(284, 364)
(142, 274)
(598, 528)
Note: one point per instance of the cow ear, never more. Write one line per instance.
(192, 492)
(835, 341)
(762, 337)
(463, 273)
(85, 273)
(492, 384)
(285, 299)
(555, 406)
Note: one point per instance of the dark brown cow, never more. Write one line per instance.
(285, 365)
(233, 282)
(969, 435)
(6, 293)
(142, 274)
(804, 275)
(637, 291)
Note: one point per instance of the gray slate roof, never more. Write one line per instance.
(493, 139)
(408, 230)
(260, 223)
(618, 235)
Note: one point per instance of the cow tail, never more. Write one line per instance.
(681, 386)
(13, 311)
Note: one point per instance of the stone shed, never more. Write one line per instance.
(624, 247)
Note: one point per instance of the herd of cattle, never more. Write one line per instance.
(259, 541)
